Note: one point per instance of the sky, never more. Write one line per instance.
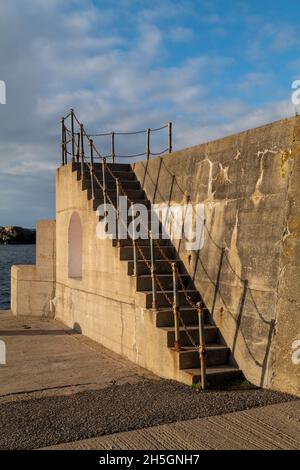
(213, 68)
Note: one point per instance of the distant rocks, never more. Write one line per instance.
(17, 236)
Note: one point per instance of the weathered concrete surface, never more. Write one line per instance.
(32, 287)
(249, 185)
(44, 356)
(275, 427)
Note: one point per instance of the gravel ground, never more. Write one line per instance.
(41, 422)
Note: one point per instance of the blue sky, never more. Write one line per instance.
(211, 67)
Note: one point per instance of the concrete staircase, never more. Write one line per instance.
(220, 365)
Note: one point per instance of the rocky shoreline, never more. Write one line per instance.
(13, 235)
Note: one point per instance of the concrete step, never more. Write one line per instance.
(215, 375)
(142, 242)
(144, 281)
(132, 194)
(122, 175)
(163, 302)
(111, 184)
(210, 334)
(147, 219)
(162, 267)
(126, 253)
(216, 354)
(165, 317)
(116, 166)
(111, 199)
(98, 166)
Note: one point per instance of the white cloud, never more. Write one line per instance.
(269, 37)
(241, 118)
(253, 80)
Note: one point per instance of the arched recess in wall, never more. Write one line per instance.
(75, 247)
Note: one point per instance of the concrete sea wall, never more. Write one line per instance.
(248, 268)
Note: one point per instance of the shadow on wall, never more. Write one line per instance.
(247, 292)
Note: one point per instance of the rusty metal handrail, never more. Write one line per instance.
(73, 120)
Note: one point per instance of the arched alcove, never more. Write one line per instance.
(75, 247)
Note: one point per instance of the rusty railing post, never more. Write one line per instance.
(176, 308)
(104, 182)
(72, 135)
(63, 140)
(113, 154)
(78, 147)
(134, 241)
(117, 210)
(91, 143)
(153, 272)
(82, 149)
(170, 137)
(148, 144)
(202, 348)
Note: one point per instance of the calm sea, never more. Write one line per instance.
(12, 254)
